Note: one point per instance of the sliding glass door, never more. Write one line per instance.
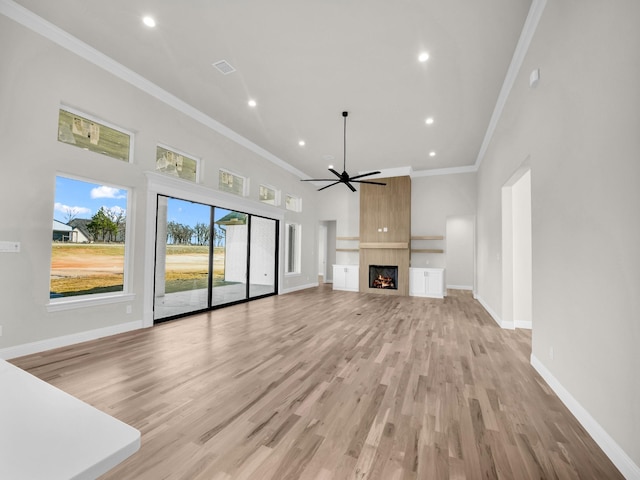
(230, 256)
(182, 257)
(208, 257)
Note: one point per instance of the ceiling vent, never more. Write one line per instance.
(224, 67)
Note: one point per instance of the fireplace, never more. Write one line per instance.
(383, 276)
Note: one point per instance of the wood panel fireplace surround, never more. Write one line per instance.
(385, 233)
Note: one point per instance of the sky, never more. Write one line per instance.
(189, 213)
(84, 199)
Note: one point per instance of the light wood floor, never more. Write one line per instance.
(330, 385)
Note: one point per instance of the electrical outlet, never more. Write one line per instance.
(551, 353)
(129, 309)
(0, 330)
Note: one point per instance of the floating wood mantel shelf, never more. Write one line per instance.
(397, 245)
(427, 250)
(347, 239)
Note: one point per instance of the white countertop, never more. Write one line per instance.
(46, 433)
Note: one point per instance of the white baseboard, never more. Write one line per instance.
(528, 324)
(66, 340)
(299, 287)
(501, 323)
(460, 287)
(608, 445)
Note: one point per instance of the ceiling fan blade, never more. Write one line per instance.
(319, 180)
(368, 181)
(365, 175)
(353, 189)
(335, 173)
(330, 185)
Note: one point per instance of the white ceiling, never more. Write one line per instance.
(304, 62)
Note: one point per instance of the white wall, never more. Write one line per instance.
(433, 200)
(460, 252)
(37, 76)
(579, 128)
(341, 205)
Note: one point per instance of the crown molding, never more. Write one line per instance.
(444, 171)
(528, 30)
(37, 24)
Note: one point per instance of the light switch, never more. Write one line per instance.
(9, 247)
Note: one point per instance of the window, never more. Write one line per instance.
(95, 135)
(232, 183)
(293, 203)
(88, 241)
(176, 164)
(292, 248)
(269, 195)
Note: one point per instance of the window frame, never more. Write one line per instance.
(182, 154)
(296, 204)
(297, 253)
(125, 295)
(101, 122)
(276, 192)
(245, 182)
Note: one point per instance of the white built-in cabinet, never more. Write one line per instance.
(345, 277)
(426, 282)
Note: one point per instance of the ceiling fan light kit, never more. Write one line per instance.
(344, 177)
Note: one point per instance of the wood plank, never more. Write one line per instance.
(427, 250)
(347, 250)
(382, 245)
(320, 384)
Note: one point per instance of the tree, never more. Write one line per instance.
(102, 227)
(71, 213)
(201, 232)
(219, 235)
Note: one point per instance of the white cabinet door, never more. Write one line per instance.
(352, 281)
(339, 277)
(345, 277)
(426, 282)
(434, 283)
(417, 282)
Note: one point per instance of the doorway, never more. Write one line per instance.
(326, 250)
(517, 288)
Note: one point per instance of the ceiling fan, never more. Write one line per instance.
(344, 176)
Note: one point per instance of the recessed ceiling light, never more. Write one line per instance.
(429, 121)
(302, 143)
(149, 21)
(252, 103)
(423, 57)
(432, 153)
(330, 166)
